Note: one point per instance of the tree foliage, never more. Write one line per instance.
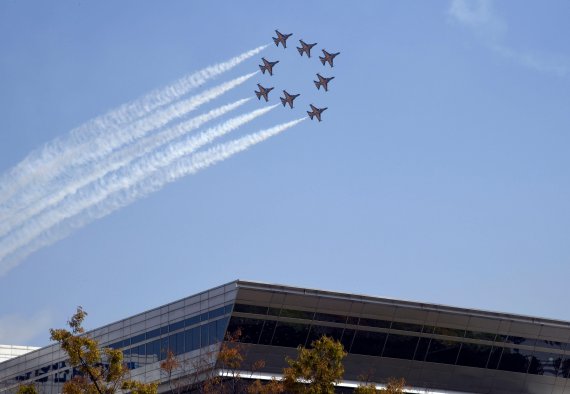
(394, 386)
(202, 375)
(27, 389)
(101, 369)
(317, 369)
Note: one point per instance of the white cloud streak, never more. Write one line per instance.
(89, 151)
(55, 224)
(19, 330)
(480, 17)
(84, 175)
(32, 168)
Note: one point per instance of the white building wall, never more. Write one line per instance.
(10, 351)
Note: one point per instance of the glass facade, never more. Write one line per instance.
(430, 346)
(400, 340)
(181, 327)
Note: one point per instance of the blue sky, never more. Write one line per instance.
(439, 172)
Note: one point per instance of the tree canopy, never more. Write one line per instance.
(316, 369)
(102, 370)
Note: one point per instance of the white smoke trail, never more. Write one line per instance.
(117, 159)
(49, 227)
(26, 171)
(102, 145)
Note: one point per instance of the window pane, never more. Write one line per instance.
(273, 311)
(221, 326)
(258, 310)
(400, 346)
(137, 339)
(514, 360)
(406, 326)
(374, 323)
(422, 349)
(153, 349)
(179, 343)
(452, 332)
(545, 364)
(428, 329)
(297, 314)
(441, 351)
(216, 313)
(521, 340)
(347, 337)
(192, 320)
(204, 331)
(175, 326)
(564, 369)
(212, 333)
(485, 336)
(472, 355)
(318, 331)
(267, 332)
(369, 343)
(153, 333)
(196, 338)
(248, 329)
(495, 357)
(163, 348)
(290, 334)
(330, 317)
(550, 344)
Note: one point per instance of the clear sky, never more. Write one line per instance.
(440, 171)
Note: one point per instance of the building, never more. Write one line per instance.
(437, 349)
(10, 351)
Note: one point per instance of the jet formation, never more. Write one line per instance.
(315, 112)
(281, 39)
(328, 57)
(288, 98)
(324, 82)
(305, 48)
(263, 92)
(267, 66)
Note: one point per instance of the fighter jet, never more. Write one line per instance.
(315, 112)
(288, 99)
(324, 82)
(328, 57)
(306, 48)
(267, 66)
(262, 92)
(281, 38)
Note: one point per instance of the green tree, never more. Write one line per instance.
(27, 389)
(394, 386)
(317, 369)
(367, 388)
(102, 369)
(202, 376)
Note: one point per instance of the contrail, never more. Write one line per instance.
(26, 171)
(47, 228)
(102, 145)
(117, 159)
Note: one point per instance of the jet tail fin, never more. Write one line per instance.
(276, 41)
(283, 101)
(322, 60)
(300, 51)
(262, 68)
(317, 84)
(258, 94)
(310, 114)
